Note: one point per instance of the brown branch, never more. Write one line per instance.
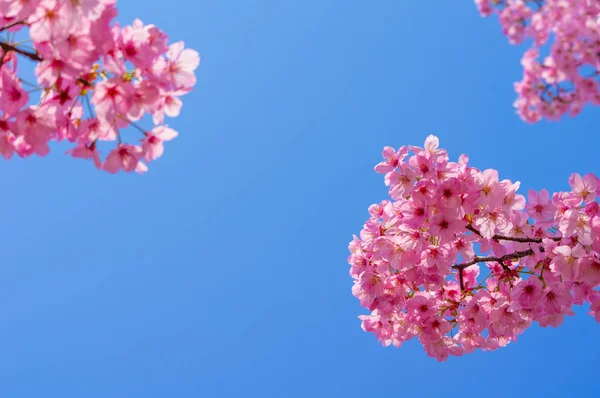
(500, 260)
(512, 238)
(12, 25)
(6, 48)
(32, 56)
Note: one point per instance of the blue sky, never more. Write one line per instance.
(222, 272)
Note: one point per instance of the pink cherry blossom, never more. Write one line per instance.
(527, 292)
(541, 256)
(181, 65)
(539, 207)
(446, 225)
(585, 187)
(565, 80)
(96, 79)
(392, 159)
(125, 157)
(153, 143)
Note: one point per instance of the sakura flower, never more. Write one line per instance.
(585, 187)
(153, 143)
(126, 158)
(181, 65)
(539, 206)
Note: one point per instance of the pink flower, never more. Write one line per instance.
(112, 97)
(539, 206)
(421, 307)
(448, 194)
(490, 191)
(416, 211)
(527, 292)
(168, 104)
(434, 328)
(401, 181)
(49, 23)
(126, 158)
(153, 143)
(595, 307)
(416, 270)
(392, 159)
(181, 64)
(13, 96)
(556, 299)
(85, 152)
(431, 149)
(512, 200)
(144, 100)
(442, 348)
(584, 187)
(135, 45)
(485, 7)
(566, 262)
(7, 138)
(464, 246)
(488, 224)
(446, 225)
(94, 77)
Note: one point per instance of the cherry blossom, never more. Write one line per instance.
(94, 81)
(462, 262)
(568, 31)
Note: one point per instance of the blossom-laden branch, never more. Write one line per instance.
(501, 259)
(513, 238)
(557, 84)
(95, 78)
(440, 211)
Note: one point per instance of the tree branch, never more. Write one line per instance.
(32, 56)
(11, 25)
(6, 48)
(500, 260)
(511, 238)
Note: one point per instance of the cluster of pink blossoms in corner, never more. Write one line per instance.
(567, 78)
(462, 261)
(94, 78)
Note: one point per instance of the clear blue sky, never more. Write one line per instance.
(222, 272)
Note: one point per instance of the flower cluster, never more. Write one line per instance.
(567, 78)
(462, 261)
(94, 78)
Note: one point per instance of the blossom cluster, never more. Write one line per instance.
(462, 261)
(94, 79)
(566, 79)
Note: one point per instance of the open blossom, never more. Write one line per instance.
(125, 157)
(585, 188)
(180, 65)
(449, 218)
(13, 96)
(153, 143)
(540, 207)
(85, 152)
(392, 159)
(96, 79)
(446, 225)
(527, 292)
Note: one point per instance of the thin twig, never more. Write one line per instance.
(512, 238)
(32, 56)
(11, 25)
(501, 260)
